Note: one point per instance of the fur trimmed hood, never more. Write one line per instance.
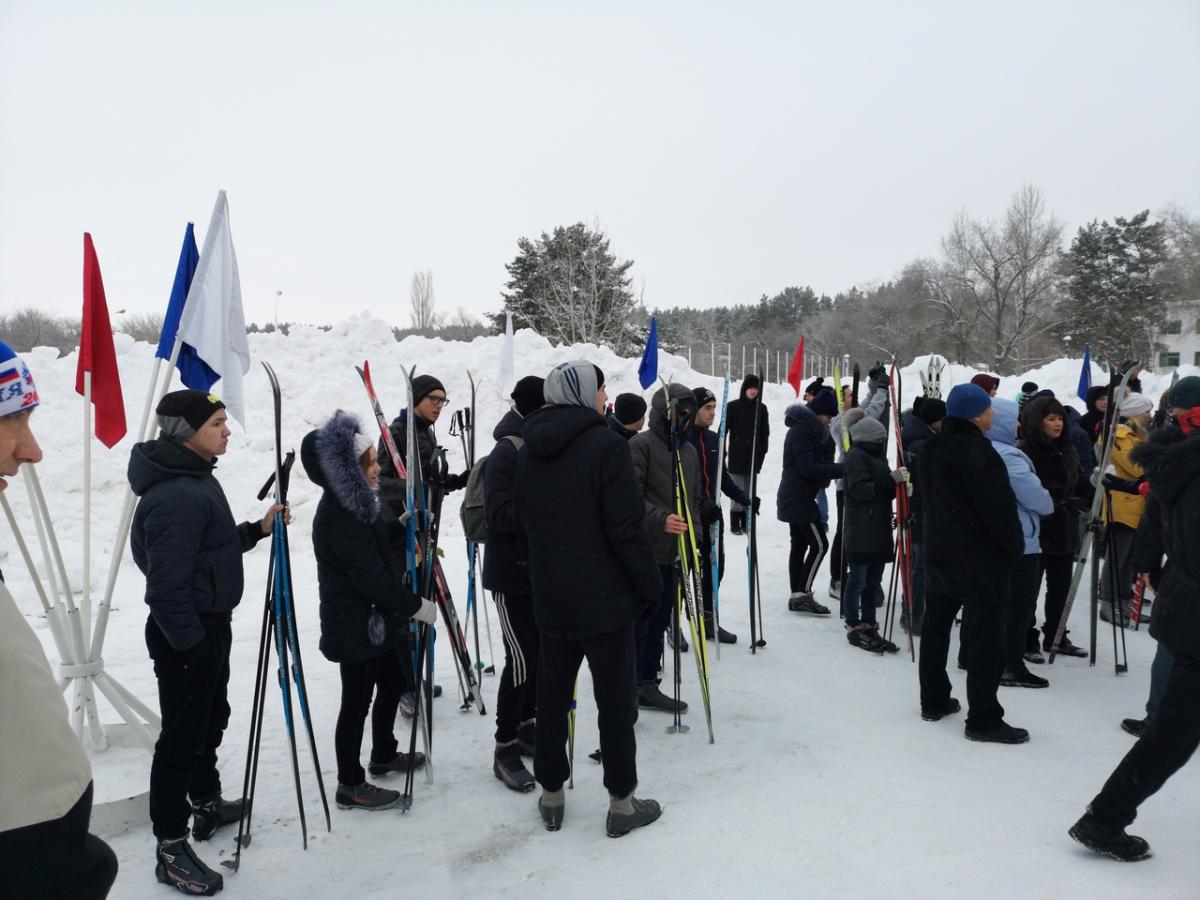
(328, 456)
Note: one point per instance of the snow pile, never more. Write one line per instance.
(822, 774)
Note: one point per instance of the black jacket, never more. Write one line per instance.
(1057, 466)
(973, 536)
(351, 542)
(506, 556)
(1085, 447)
(704, 440)
(739, 431)
(869, 494)
(914, 435)
(1092, 420)
(618, 428)
(184, 539)
(808, 466)
(654, 465)
(589, 555)
(1171, 525)
(391, 486)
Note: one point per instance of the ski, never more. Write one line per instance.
(756, 638)
(902, 564)
(714, 536)
(842, 561)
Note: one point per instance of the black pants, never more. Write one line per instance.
(610, 657)
(516, 698)
(649, 632)
(1168, 744)
(57, 860)
(1058, 568)
(194, 705)
(836, 566)
(1022, 607)
(983, 640)
(809, 545)
(706, 566)
(384, 677)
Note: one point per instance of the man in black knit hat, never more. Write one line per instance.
(429, 399)
(628, 416)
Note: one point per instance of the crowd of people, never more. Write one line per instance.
(585, 503)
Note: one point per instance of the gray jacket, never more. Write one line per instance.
(653, 462)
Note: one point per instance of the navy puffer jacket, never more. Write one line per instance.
(352, 542)
(808, 466)
(506, 560)
(184, 539)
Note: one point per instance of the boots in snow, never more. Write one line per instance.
(683, 644)
(737, 522)
(527, 737)
(212, 813)
(1000, 734)
(1023, 678)
(650, 696)
(366, 796)
(725, 637)
(803, 601)
(508, 767)
(178, 866)
(1108, 841)
(628, 813)
(397, 763)
(553, 806)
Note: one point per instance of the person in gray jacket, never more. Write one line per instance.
(654, 463)
(1033, 502)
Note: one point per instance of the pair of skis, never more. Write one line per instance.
(754, 589)
(278, 627)
(902, 558)
(843, 560)
(714, 533)
(931, 377)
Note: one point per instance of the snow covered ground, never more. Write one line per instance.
(823, 780)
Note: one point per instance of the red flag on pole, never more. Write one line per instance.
(97, 354)
(796, 369)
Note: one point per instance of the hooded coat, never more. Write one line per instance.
(506, 558)
(870, 491)
(184, 539)
(1033, 500)
(808, 466)
(352, 545)
(1057, 465)
(1093, 420)
(590, 560)
(1171, 526)
(739, 429)
(654, 465)
(972, 534)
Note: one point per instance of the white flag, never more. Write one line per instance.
(213, 322)
(506, 359)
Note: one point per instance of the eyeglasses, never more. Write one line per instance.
(438, 401)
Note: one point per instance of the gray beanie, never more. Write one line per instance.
(851, 417)
(867, 431)
(574, 383)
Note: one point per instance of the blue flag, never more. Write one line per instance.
(1085, 375)
(193, 371)
(648, 368)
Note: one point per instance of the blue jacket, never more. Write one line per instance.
(808, 466)
(1033, 500)
(184, 539)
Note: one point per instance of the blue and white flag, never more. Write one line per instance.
(193, 371)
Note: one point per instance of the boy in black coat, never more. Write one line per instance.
(185, 541)
(973, 539)
(1170, 526)
(741, 437)
(506, 575)
(593, 575)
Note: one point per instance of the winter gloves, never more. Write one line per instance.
(878, 377)
(899, 475)
(427, 613)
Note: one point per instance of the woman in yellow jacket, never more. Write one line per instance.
(1123, 511)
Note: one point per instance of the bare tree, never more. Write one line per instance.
(143, 326)
(422, 312)
(31, 327)
(995, 285)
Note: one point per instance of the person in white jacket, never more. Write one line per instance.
(45, 778)
(1033, 502)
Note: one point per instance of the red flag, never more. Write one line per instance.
(97, 354)
(796, 369)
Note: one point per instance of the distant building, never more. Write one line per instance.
(1180, 339)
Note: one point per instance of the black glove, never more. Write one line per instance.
(755, 504)
(1124, 485)
(878, 377)
(197, 653)
(709, 512)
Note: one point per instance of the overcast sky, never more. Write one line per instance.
(730, 150)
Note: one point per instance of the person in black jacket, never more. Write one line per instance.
(1046, 440)
(186, 543)
(973, 539)
(702, 437)
(429, 399)
(628, 415)
(740, 434)
(918, 426)
(1096, 398)
(870, 489)
(1170, 526)
(593, 576)
(506, 575)
(364, 605)
(808, 469)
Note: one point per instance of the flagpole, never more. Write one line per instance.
(86, 617)
(52, 618)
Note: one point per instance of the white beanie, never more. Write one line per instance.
(362, 444)
(1136, 405)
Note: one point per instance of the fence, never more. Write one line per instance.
(738, 361)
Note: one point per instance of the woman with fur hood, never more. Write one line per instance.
(364, 604)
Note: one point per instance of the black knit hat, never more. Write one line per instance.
(182, 413)
(815, 385)
(931, 410)
(1029, 387)
(704, 396)
(628, 408)
(527, 395)
(423, 386)
(1186, 393)
(825, 403)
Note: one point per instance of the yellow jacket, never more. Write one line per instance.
(1127, 508)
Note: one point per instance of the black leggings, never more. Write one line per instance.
(383, 676)
(809, 546)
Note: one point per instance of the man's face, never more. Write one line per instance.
(601, 400)
(213, 437)
(430, 407)
(751, 393)
(983, 421)
(708, 413)
(17, 445)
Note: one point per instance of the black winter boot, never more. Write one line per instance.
(1001, 734)
(1108, 841)
(527, 737)
(179, 867)
(212, 813)
(552, 806)
(397, 763)
(737, 522)
(650, 696)
(628, 813)
(508, 767)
